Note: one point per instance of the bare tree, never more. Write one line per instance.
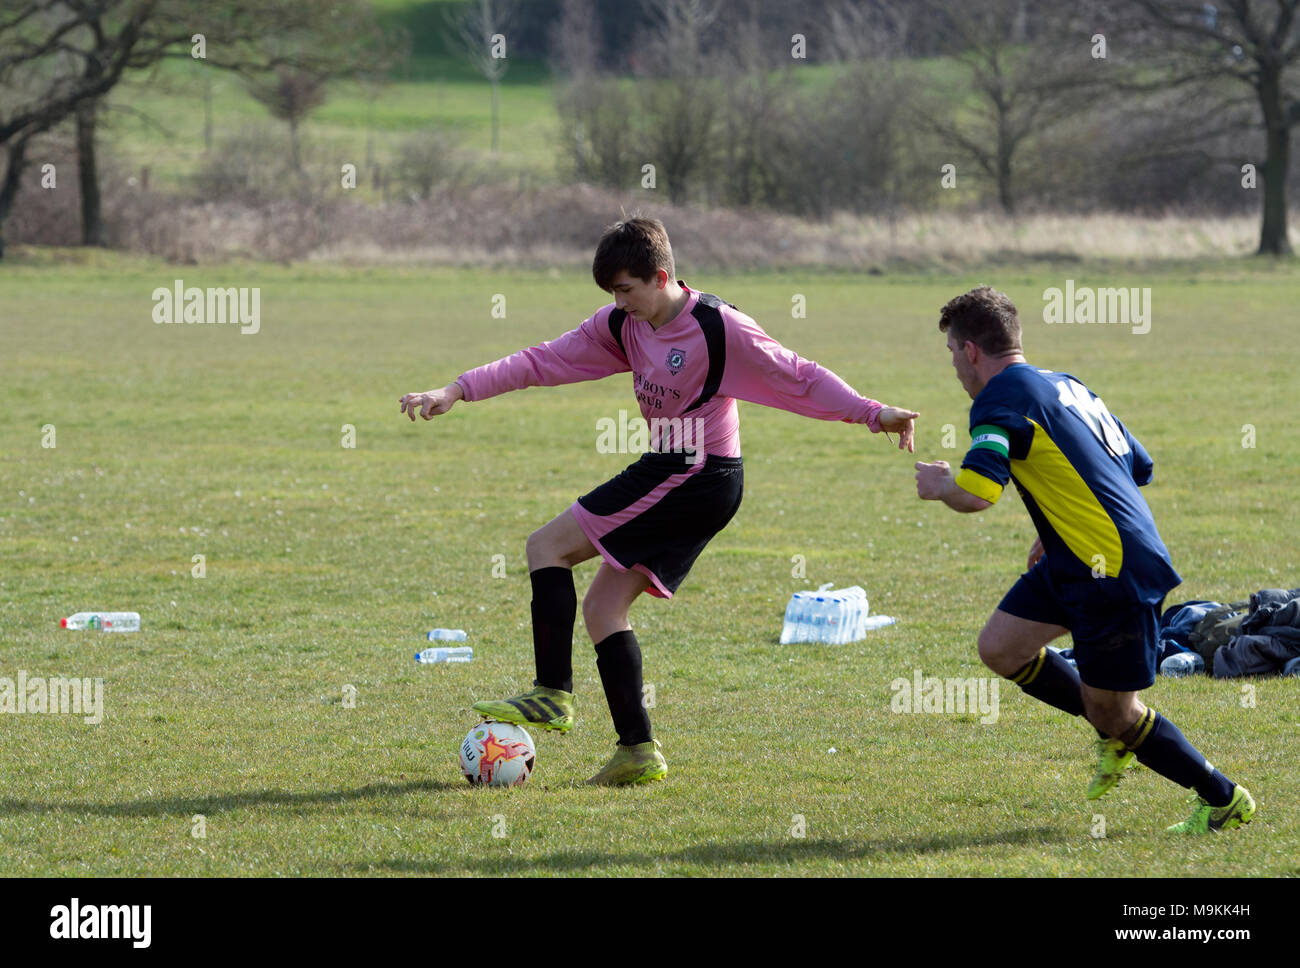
(92, 221)
(597, 116)
(735, 123)
(1255, 43)
(582, 95)
(481, 28)
(867, 31)
(53, 58)
(1021, 85)
(679, 101)
(424, 160)
(575, 40)
(756, 106)
(290, 95)
(870, 113)
(58, 58)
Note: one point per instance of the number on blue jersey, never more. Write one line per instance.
(1074, 394)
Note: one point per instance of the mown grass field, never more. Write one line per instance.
(326, 564)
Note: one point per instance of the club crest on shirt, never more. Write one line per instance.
(676, 360)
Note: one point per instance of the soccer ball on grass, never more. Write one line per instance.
(497, 754)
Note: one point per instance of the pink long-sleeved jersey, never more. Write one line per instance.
(688, 374)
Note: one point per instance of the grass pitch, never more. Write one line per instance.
(273, 706)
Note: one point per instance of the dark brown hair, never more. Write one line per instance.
(638, 245)
(984, 317)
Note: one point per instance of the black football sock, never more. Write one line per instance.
(555, 606)
(1050, 679)
(618, 658)
(1160, 745)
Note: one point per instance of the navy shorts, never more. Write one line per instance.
(1116, 643)
(657, 515)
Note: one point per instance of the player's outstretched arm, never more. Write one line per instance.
(586, 353)
(898, 420)
(760, 370)
(934, 482)
(431, 403)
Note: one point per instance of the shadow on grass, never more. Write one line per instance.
(721, 854)
(219, 803)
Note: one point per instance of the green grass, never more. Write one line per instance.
(325, 565)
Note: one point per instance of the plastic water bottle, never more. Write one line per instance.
(856, 596)
(876, 622)
(446, 635)
(803, 625)
(104, 621)
(788, 627)
(849, 623)
(1182, 664)
(820, 613)
(852, 618)
(445, 654)
(833, 623)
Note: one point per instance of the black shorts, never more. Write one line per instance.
(1116, 643)
(658, 514)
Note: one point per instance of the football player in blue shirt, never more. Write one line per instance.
(1098, 570)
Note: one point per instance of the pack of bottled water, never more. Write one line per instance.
(832, 616)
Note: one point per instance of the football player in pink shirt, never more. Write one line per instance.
(692, 356)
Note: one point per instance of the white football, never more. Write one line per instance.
(497, 754)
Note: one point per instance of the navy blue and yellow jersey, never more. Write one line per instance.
(1078, 470)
